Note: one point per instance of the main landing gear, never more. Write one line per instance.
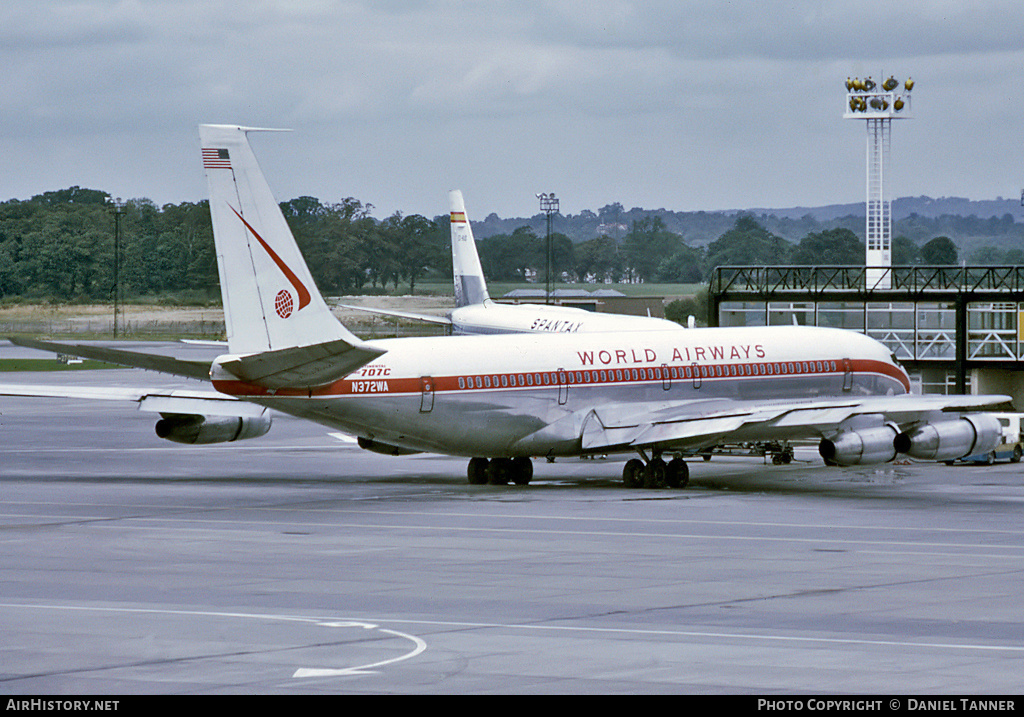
(655, 473)
(500, 471)
(647, 473)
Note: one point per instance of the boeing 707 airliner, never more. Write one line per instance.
(499, 400)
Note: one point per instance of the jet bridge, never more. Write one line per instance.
(957, 329)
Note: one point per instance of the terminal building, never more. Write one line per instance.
(607, 301)
(956, 329)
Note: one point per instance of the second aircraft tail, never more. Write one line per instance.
(470, 286)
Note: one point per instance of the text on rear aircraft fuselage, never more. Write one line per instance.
(374, 372)
(556, 325)
(369, 387)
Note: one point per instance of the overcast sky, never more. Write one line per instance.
(676, 104)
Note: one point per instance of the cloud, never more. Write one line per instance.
(687, 105)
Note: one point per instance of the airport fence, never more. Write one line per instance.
(154, 329)
(98, 327)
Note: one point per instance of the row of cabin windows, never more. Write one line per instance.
(555, 378)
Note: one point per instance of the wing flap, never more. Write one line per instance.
(684, 433)
(596, 435)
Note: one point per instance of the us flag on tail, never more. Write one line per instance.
(216, 159)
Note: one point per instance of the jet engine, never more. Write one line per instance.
(192, 429)
(952, 439)
(863, 447)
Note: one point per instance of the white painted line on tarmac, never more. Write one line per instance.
(639, 632)
(419, 645)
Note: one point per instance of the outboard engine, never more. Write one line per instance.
(952, 439)
(864, 447)
(192, 429)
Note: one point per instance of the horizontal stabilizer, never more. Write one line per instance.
(301, 366)
(151, 362)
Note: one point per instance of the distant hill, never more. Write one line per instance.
(905, 206)
(970, 224)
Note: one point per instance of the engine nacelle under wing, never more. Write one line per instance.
(949, 440)
(864, 447)
(196, 430)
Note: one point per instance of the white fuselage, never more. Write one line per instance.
(530, 394)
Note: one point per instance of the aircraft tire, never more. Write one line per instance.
(677, 473)
(499, 470)
(632, 473)
(521, 470)
(654, 474)
(477, 471)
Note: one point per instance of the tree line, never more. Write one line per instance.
(970, 224)
(649, 252)
(60, 246)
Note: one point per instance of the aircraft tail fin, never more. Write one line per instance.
(470, 286)
(270, 299)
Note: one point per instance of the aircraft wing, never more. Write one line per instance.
(294, 366)
(151, 362)
(206, 403)
(699, 424)
(440, 320)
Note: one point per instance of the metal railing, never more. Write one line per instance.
(767, 280)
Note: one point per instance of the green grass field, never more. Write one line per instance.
(50, 364)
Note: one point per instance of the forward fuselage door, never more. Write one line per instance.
(847, 374)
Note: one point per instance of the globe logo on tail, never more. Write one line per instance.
(283, 304)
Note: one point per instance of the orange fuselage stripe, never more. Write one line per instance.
(386, 384)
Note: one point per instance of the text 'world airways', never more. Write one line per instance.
(649, 355)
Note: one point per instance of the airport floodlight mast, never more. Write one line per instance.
(117, 209)
(878, 106)
(548, 205)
